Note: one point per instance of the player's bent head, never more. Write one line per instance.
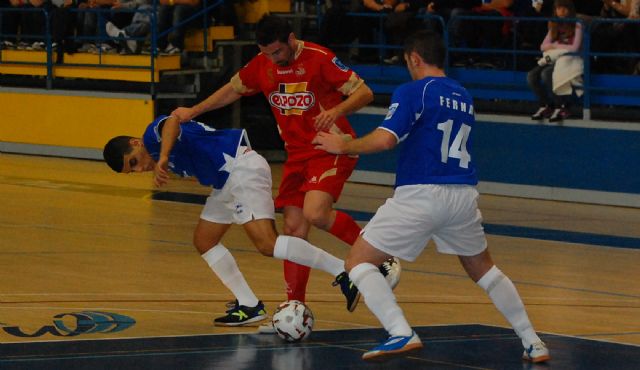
(428, 45)
(271, 28)
(115, 150)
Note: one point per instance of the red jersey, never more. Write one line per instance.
(297, 93)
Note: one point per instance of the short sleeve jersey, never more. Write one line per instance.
(433, 118)
(297, 93)
(200, 150)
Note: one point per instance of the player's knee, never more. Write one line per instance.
(317, 217)
(265, 246)
(202, 243)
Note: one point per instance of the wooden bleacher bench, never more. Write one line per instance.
(194, 39)
(89, 66)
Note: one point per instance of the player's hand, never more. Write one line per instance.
(330, 142)
(183, 114)
(161, 172)
(325, 120)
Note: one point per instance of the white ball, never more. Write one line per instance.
(293, 321)
(391, 270)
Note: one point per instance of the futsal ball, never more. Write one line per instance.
(293, 321)
(391, 270)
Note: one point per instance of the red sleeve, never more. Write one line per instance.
(247, 80)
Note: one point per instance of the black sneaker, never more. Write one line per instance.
(349, 290)
(242, 315)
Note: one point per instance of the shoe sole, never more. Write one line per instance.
(354, 304)
(386, 355)
(537, 359)
(266, 329)
(253, 320)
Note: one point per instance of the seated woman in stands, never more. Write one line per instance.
(559, 69)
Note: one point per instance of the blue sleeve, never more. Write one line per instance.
(401, 113)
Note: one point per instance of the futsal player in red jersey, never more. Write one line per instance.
(309, 90)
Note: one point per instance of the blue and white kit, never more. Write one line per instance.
(435, 196)
(222, 159)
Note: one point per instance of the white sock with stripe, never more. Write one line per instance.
(224, 266)
(507, 300)
(380, 299)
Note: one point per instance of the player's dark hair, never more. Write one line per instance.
(115, 150)
(271, 28)
(428, 45)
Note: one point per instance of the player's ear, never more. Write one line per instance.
(292, 39)
(135, 142)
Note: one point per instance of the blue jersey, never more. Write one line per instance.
(200, 151)
(433, 119)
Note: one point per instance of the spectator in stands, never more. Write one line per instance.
(172, 13)
(612, 37)
(369, 28)
(402, 21)
(87, 26)
(32, 25)
(10, 23)
(480, 33)
(529, 33)
(549, 80)
(63, 23)
(138, 26)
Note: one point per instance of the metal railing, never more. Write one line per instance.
(101, 37)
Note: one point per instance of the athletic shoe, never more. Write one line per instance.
(349, 290)
(541, 113)
(266, 328)
(242, 315)
(170, 50)
(537, 352)
(559, 114)
(394, 346)
(112, 30)
(390, 269)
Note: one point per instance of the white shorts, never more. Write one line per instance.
(449, 214)
(247, 194)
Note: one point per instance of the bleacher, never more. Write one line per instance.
(213, 52)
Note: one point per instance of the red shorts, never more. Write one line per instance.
(326, 173)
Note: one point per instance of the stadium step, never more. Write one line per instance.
(90, 66)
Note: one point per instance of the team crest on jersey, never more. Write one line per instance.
(339, 64)
(392, 110)
(292, 98)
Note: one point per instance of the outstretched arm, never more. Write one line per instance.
(220, 98)
(376, 141)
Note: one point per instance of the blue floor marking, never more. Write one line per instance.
(492, 229)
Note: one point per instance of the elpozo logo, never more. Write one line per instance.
(292, 98)
(76, 323)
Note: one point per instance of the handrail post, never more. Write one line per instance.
(205, 37)
(47, 41)
(586, 79)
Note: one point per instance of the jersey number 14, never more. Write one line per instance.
(458, 148)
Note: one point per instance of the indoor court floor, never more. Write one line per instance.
(97, 271)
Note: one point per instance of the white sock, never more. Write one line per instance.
(224, 265)
(304, 253)
(380, 299)
(507, 300)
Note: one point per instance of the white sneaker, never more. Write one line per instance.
(171, 50)
(266, 328)
(112, 30)
(394, 346)
(536, 352)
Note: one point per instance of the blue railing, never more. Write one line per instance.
(101, 37)
(510, 83)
